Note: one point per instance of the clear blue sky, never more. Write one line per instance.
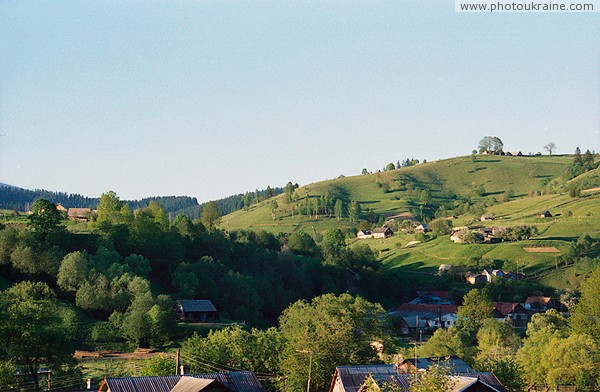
(212, 98)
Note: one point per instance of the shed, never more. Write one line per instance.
(545, 214)
(196, 310)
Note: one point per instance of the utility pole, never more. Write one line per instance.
(177, 361)
(311, 353)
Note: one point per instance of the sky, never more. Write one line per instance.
(213, 98)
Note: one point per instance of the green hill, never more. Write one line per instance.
(514, 189)
(448, 181)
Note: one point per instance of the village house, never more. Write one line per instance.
(453, 362)
(487, 217)
(196, 310)
(424, 317)
(354, 378)
(80, 214)
(476, 278)
(512, 313)
(60, 208)
(540, 303)
(422, 228)
(380, 232)
(211, 382)
(403, 382)
(444, 268)
(432, 298)
(362, 234)
(545, 214)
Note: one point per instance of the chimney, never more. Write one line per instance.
(184, 369)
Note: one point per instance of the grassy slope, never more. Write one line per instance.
(446, 179)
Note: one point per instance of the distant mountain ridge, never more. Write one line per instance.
(16, 198)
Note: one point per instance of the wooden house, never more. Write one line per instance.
(196, 310)
(80, 214)
(382, 232)
(545, 214)
(210, 382)
(512, 313)
(363, 234)
(422, 228)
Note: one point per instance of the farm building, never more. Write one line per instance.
(196, 310)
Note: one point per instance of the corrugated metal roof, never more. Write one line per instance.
(353, 377)
(236, 381)
(197, 305)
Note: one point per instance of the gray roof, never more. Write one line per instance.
(381, 229)
(193, 384)
(236, 381)
(353, 377)
(197, 305)
(455, 364)
(463, 380)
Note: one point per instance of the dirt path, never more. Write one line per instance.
(140, 353)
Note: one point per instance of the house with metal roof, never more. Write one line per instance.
(209, 382)
(483, 382)
(196, 310)
(353, 378)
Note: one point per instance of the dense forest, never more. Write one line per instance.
(14, 198)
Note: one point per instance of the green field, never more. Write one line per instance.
(533, 184)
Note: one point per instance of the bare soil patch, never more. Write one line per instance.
(140, 353)
(542, 249)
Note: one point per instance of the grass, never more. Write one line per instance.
(447, 180)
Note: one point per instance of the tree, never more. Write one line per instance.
(435, 379)
(496, 341)
(441, 226)
(301, 243)
(255, 350)
(32, 330)
(477, 307)
(211, 215)
(364, 171)
(269, 192)
(390, 166)
(491, 144)
(326, 332)
(110, 208)
(550, 147)
(247, 199)
(289, 191)
(333, 244)
(73, 271)
(44, 218)
(160, 365)
(339, 209)
(585, 316)
(354, 211)
(273, 207)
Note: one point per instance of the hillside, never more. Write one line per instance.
(387, 193)
(515, 190)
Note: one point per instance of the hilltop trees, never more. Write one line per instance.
(550, 147)
(490, 144)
